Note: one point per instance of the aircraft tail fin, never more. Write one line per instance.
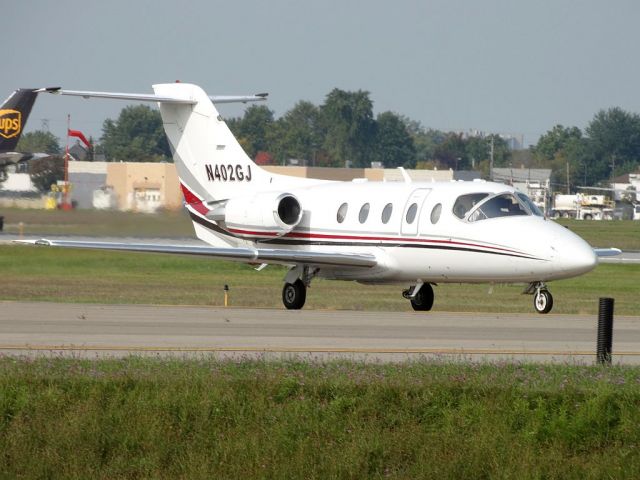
(211, 163)
(13, 117)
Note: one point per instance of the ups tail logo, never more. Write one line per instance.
(10, 123)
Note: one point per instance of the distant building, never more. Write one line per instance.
(85, 178)
(514, 141)
(144, 186)
(78, 152)
(148, 186)
(511, 176)
(17, 181)
(625, 182)
(534, 182)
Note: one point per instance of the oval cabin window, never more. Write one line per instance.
(386, 213)
(342, 212)
(435, 213)
(411, 213)
(364, 213)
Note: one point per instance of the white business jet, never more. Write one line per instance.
(416, 234)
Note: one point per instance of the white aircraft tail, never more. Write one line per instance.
(213, 167)
(210, 162)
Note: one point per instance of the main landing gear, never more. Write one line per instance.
(294, 292)
(294, 295)
(421, 297)
(542, 298)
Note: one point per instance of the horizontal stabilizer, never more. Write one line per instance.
(151, 97)
(246, 255)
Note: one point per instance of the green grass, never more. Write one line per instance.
(620, 234)
(97, 222)
(65, 275)
(137, 418)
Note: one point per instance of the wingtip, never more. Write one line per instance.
(48, 90)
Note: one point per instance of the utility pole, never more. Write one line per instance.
(613, 166)
(568, 183)
(491, 161)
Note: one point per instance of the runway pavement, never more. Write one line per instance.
(116, 330)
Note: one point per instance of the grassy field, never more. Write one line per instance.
(48, 274)
(97, 222)
(138, 418)
(163, 418)
(620, 234)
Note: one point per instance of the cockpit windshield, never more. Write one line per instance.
(465, 203)
(530, 205)
(503, 205)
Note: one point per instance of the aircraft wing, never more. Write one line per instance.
(607, 252)
(246, 255)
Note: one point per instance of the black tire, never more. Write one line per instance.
(543, 301)
(588, 216)
(423, 301)
(294, 295)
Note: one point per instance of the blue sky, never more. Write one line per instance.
(498, 66)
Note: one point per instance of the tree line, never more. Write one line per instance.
(343, 131)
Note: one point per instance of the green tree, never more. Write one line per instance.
(350, 127)
(45, 172)
(298, 134)
(425, 141)
(614, 142)
(555, 140)
(39, 141)
(477, 150)
(451, 153)
(252, 130)
(136, 136)
(562, 149)
(394, 144)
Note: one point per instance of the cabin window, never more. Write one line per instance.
(435, 213)
(342, 212)
(465, 203)
(386, 213)
(411, 213)
(530, 205)
(364, 213)
(505, 205)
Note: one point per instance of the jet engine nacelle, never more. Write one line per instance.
(264, 212)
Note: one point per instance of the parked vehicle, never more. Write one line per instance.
(583, 207)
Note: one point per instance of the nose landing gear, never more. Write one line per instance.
(542, 298)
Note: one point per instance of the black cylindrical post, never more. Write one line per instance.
(605, 330)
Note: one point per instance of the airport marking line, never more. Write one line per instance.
(442, 351)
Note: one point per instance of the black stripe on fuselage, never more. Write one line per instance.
(284, 241)
(281, 241)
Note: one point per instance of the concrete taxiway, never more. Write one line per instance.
(88, 330)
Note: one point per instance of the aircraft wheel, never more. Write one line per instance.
(423, 301)
(294, 295)
(542, 301)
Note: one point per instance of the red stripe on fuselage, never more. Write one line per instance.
(324, 236)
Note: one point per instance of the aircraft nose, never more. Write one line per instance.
(574, 256)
